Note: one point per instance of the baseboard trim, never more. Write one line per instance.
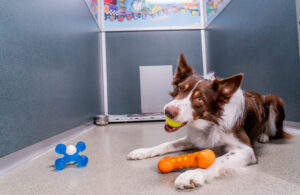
(15, 159)
(292, 124)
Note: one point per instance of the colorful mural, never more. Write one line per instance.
(145, 14)
(93, 5)
(213, 6)
(150, 13)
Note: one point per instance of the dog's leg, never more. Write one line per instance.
(173, 146)
(231, 161)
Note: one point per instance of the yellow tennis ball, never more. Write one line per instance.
(172, 123)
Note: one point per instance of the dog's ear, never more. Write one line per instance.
(183, 70)
(228, 86)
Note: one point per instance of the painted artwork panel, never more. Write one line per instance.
(213, 7)
(93, 6)
(126, 14)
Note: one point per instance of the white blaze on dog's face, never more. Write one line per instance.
(196, 98)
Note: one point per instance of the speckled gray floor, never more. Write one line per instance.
(108, 171)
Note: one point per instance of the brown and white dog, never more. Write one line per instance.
(217, 112)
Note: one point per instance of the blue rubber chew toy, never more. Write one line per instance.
(71, 155)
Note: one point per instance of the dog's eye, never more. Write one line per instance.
(199, 101)
(181, 88)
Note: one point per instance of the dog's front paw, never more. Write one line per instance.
(139, 154)
(190, 179)
(263, 138)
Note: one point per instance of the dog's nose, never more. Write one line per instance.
(171, 112)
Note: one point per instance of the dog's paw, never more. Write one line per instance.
(263, 138)
(139, 154)
(190, 179)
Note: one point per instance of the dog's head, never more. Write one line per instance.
(198, 99)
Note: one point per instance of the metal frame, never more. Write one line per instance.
(203, 36)
(103, 57)
(204, 52)
(154, 28)
(203, 25)
(104, 73)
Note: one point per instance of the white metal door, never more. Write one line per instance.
(155, 84)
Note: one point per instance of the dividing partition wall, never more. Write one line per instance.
(49, 70)
(148, 33)
(259, 39)
(58, 67)
(256, 38)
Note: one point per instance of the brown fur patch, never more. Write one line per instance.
(183, 71)
(255, 117)
(180, 90)
(242, 135)
(196, 94)
(210, 96)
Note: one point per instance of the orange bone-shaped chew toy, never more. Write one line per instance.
(202, 159)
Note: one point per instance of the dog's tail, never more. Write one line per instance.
(274, 107)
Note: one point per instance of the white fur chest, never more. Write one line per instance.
(208, 138)
(211, 136)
